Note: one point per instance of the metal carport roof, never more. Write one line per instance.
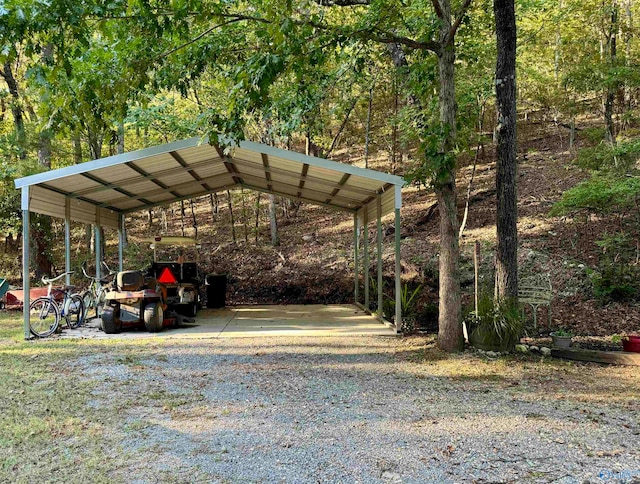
(102, 192)
(102, 189)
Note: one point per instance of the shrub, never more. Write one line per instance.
(617, 278)
(408, 300)
(496, 325)
(604, 157)
(600, 194)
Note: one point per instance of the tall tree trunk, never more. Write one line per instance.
(257, 227)
(44, 148)
(182, 216)
(245, 216)
(45, 135)
(120, 137)
(610, 92)
(275, 240)
(233, 222)
(394, 128)
(213, 200)
(450, 337)
(77, 149)
(506, 284)
(367, 129)
(16, 107)
(627, 43)
(194, 219)
(94, 140)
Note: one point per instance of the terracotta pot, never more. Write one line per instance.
(631, 344)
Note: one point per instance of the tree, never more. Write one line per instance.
(506, 164)
(290, 43)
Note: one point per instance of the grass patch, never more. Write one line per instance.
(48, 432)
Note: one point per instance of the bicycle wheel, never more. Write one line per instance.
(89, 301)
(75, 312)
(44, 317)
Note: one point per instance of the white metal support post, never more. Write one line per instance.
(379, 242)
(25, 261)
(120, 241)
(67, 240)
(98, 245)
(398, 204)
(356, 291)
(365, 272)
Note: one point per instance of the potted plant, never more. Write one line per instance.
(562, 338)
(495, 326)
(631, 343)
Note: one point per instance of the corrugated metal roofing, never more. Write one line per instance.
(99, 191)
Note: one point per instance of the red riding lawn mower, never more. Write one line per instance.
(134, 301)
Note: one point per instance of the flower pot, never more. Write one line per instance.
(563, 342)
(631, 344)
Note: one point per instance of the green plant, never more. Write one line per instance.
(604, 157)
(563, 333)
(407, 300)
(407, 306)
(595, 134)
(600, 194)
(496, 325)
(617, 278)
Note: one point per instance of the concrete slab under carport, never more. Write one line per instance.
(262, 321)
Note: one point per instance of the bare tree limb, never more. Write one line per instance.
(342, 3)
(334, 142)
(437, 8)
(454, 28)
(197, 38)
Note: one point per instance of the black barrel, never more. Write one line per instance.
(216, 290)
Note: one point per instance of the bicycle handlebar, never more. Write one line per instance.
(48, 281)
(111, 273)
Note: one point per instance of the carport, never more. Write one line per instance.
(102, 192)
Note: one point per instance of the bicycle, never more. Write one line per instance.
(47, 311)
(94, 297)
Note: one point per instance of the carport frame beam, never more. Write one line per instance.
(398, 204)
(25, 261)
(120, 242)
(67, 240)
(365, 247)
(379, 244)
(98, 246)
(356, 289)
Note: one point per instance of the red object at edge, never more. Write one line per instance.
(632, 344)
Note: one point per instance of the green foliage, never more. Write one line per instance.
(617, 277)
(408, 306)
(496, 324)
(600, 194)
(594, 134)
(563, 333)
(604, 157)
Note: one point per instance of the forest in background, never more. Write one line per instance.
(353, 81)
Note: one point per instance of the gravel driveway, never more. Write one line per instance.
(361, 409)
